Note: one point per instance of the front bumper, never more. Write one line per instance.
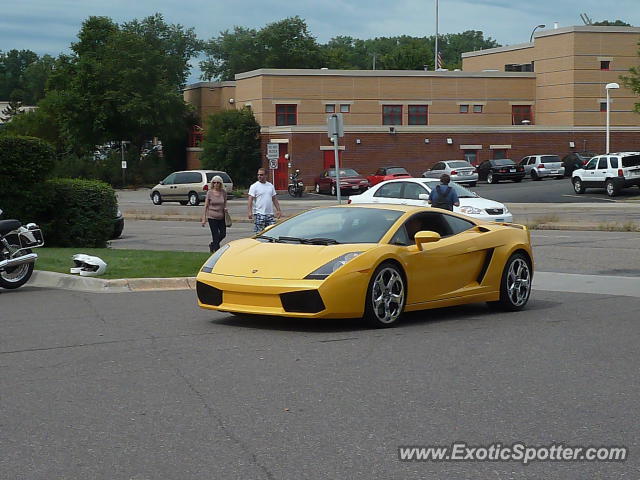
(334, 297)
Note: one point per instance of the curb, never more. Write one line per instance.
(64, 281)
(177, 218)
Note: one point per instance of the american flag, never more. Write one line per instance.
(439, 61)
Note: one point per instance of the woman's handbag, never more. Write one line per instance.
(227, 218)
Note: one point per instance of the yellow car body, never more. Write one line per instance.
(254, 276)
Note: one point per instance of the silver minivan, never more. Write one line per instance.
(188, 187)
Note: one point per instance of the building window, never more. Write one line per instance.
(604, 64)
(392, 114)
(329, 108)
(521, 115)
(418, 115)
(603, 106)
(286, 115)
(471, 156)
(345, 108)
(464, 108)
(477, 109)
(499, 154)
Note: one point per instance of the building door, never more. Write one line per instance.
(329, 159)
(282, 172)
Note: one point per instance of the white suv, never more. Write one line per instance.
(613, 172)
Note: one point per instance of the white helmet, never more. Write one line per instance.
(78, 262)
(93, 266)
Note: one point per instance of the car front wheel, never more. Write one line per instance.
(386, 296)
(156, 198)
(534, 175)
(578, 186)
(317, 189)
(515, 285)
(333, 190)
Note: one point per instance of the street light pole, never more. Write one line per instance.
(542, 25)
(609, 86)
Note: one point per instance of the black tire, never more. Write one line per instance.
(194, 200)
(317, 188)
(534, 176)
(334, 191)
(156, 198)
(386, 296)
(292, 190)
(491, 178)
(16, 276)
(515, 284)
(517, 180)
(472, 184)
(183, 202)
(611, 188)
(578, 186)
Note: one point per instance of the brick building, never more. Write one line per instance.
(546, 96)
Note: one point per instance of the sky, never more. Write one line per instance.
(50, 26)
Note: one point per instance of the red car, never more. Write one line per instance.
(387, 173)
(350, 181)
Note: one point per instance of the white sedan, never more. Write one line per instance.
(415, 191)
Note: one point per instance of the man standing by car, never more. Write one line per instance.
(262, 200)
(444, 196)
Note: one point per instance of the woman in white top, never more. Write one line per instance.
(214, 206)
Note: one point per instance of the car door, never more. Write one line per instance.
(525, 164)
(325, 181)
(165, 187)
(600, 173)
(446, 268)
(389, 193)
(181, 186)
(436, 171)
(589, 172)
(411, 194)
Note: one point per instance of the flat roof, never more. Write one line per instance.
(378, 73)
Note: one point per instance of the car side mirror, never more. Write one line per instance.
(423, 196)
(425, 236)
(161, 182)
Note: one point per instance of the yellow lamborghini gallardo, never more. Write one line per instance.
(371, 261)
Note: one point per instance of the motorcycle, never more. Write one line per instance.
(296, 187)
(16, 258)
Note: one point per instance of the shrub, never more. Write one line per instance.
(25, 162)
(77, 213)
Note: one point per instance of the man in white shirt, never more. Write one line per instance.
(262, 200)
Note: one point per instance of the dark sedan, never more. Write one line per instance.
(575, 160)
(350, 181)
(504, 169)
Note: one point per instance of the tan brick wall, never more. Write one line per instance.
(497, 61)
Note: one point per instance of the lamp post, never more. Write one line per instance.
(607, 87)
(542, 25)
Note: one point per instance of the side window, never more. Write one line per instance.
(194, 177)
(412, 191)
(524, 161)
(401, 237)
(438, 166)
(613, 161)
(169, 180)
(457, 225)
(390, 190)
(602, 163)
(592, 164)
(432, 222)
(181, 178)
(225, 178)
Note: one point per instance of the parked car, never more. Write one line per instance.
(387, 173)
(371, 261)
(541, 166)
(415, 191)
(187, 187)
(118, 225)
(613, 172)
(350, 181)
(460, 171)
(575, 160)
(504, 169)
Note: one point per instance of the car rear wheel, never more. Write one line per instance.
(611, 188)
(156, 198)
(491, 178)
(193, 199)
(386, 296)
(515, 285)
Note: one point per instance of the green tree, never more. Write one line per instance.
(616, 23)
(232, 143)
(12, 68)
(35, 80)
(632, 81)
(283, 44)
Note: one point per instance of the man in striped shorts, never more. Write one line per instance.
(262, 200)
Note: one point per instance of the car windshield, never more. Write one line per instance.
(396, 171)
(459, 164)
(327, 226)
(345, 172)
(503, 163)
(459, 189)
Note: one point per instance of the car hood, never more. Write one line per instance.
(255, 259)
(478, 202)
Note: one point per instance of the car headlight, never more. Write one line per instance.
(505, 209)
(210, 263)
(328, 268)
(468, 210)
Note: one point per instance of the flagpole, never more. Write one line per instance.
(435, 53)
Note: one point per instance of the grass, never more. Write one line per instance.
(628, 226)
(126, 263)
(537, 221)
